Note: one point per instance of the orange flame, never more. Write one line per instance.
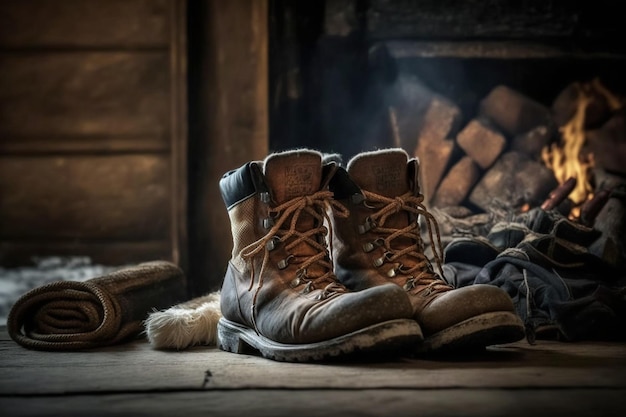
(565, 158)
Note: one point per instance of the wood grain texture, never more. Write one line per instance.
(137, 367)
(110, 252)
(519, 380)
(80, 23)
(229, 120)
(84, 93)
(106, 197)
(93, 117)
(323, 403)
(450, 19)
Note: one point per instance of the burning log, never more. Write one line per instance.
(592, 207)
(559, 194)
(598, 109)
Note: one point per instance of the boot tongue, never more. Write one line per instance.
(381, 172)
(293, 174)
(385, 173)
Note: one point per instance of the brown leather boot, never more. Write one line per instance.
(280, 296)
(380, 242)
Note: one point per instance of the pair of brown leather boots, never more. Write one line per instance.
(329, 261)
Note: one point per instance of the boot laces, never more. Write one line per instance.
(421, 274)
(314, 267)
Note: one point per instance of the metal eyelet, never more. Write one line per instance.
(268, 222)
(284, 263)
(308, 288)
(370, 246)
(409, 284)
(271, 244)
(367, 226)
(265, 197)
(380, 261)
(295, 282)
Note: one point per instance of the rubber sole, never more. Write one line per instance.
(476, 333)
(394, 335)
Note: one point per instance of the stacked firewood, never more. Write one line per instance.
(492, 166)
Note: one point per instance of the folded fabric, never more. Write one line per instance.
(105, 310)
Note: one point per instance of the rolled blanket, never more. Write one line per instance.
(105, 310)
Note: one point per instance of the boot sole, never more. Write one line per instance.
(390, 336)
(476, 333)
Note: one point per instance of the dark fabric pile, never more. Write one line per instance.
(560, 289)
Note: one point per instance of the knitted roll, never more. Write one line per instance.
(105, 310)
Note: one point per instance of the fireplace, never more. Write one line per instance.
(484, 93)
(132, 115)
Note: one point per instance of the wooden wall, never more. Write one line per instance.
(93, 130)
(228, 92)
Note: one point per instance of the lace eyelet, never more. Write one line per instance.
(271, 245)
(370, 246)
(268, 222)
(284, 263)
(397, 269)
(308, 288)
(380, 261)
(409, 284)
(295, 282)
(368, 225)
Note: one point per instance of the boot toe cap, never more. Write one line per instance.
(461, 304)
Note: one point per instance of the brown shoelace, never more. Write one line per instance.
(422, 272)
(313, 269)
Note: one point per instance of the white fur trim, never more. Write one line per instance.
(191, 323)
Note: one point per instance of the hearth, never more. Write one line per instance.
(491, 96)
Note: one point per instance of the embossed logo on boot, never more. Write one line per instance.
(387, 177)
(299, 180)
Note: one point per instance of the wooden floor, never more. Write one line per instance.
(546, 379)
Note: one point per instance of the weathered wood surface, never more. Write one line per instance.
(137, 367)
(100, 252)
(228, 121)
(93, 94)
(80, 80)
(457, 183)
(124, 197)
(514, 180)
(122, 23)
(471, 19)
(323, 403)
(550, 378)
(509, 49)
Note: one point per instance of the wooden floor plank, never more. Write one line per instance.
(136, 367)
(324, 403)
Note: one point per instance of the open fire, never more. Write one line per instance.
(567, 157)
